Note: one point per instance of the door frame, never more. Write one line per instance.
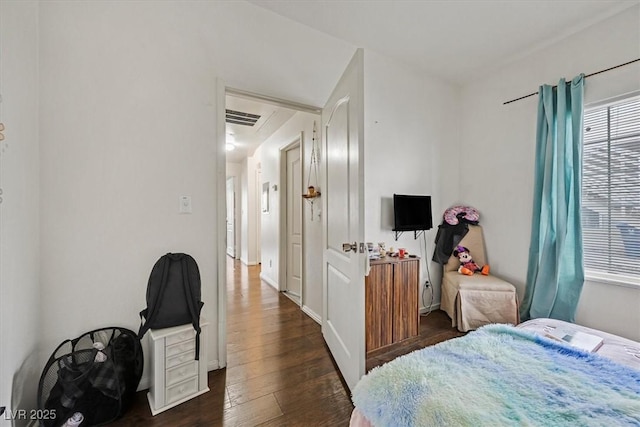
(221, 223)
(298, 141)
(258, 214)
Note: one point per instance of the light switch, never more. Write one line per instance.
(185, 204)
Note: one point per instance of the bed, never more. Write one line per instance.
(505, 375)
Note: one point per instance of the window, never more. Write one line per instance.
(611, 189)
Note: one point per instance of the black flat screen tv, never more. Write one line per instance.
(411, 213)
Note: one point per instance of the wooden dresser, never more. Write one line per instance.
(391, 301)
(176, 375)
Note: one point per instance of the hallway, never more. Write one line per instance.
(279, 371)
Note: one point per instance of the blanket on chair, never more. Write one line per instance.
(500, 375)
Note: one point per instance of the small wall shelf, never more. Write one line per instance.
(416, 233)
(311, 196)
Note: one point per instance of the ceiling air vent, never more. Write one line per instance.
(240, 118)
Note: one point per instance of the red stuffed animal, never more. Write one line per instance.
(467, 265)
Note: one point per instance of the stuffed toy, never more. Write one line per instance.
(467, 265)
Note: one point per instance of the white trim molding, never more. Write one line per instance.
(270, 282)
(315, 316)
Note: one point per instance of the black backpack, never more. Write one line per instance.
(173, 295)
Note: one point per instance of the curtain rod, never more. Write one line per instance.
(588, 75)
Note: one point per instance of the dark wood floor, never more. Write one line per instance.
(279, 370)
(435, 327)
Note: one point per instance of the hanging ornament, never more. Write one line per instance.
(313, 191)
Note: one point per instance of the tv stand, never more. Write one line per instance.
(392, 312)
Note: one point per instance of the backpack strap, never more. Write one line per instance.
(195, 315)
(151, 315)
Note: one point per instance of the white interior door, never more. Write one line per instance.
(294, 223)
(343, 272)
(231, 217)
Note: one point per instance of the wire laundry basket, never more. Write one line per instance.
(96, 375)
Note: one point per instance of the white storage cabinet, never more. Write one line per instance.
(176, 375)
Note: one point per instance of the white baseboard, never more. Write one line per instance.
(295, 299)
(245, 262)
(270, 282)
(312, 314)
(432, 307)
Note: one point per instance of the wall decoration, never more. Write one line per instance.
(312, 183)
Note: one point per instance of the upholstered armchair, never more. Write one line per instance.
(476, 300)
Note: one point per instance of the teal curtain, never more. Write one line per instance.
(555, 273)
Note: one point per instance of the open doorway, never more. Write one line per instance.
(262, 130)
(250, 122)
(263, 200)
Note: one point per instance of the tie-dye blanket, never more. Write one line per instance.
(500, 376)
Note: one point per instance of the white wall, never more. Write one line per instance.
(250, 211)
(312, 281)
(235, 170)
(411, 138)
(498, 145)
(244, 218)
(269, 157)
(128, 124)
(19, 213)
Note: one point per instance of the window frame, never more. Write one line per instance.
(598, 276)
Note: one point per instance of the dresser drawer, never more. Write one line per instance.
(175, 374)
(181, 373)
(182, 347)
(181, 358)
(181, 390)
(182, 336)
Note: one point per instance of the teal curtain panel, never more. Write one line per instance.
(555, 272)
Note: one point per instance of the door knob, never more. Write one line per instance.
(347, 247)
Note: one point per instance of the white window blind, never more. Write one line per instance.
(611, 188)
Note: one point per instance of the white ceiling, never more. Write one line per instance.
(247, 138)
(453, 39)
